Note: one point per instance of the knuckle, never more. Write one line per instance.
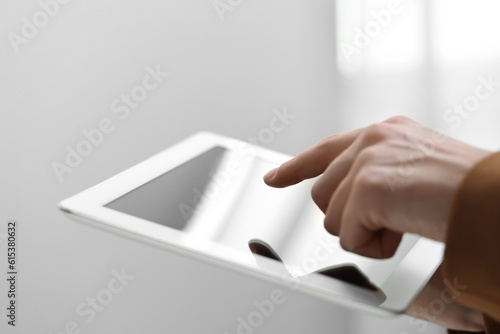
(345, 245)
(369, 180)
(367, 156)
(376, 132)
(398, 119)
(330, 226)
(315, 194)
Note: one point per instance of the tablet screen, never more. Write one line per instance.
(168, 199)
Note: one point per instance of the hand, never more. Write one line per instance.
(381, 181)
(384, 180)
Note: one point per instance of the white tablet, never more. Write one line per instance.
(205, 198)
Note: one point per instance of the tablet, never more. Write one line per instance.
(205, 198)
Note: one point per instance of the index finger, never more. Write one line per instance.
(311, 162)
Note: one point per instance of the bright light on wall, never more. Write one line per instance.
(380, 35)
(465, 31)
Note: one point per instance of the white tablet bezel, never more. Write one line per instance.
(401, 287)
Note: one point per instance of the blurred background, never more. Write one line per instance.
(233, 65)
(426, 61)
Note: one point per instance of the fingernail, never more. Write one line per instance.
(269, 175)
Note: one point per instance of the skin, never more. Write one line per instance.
(378, 182)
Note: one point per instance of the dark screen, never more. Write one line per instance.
(163, 200)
